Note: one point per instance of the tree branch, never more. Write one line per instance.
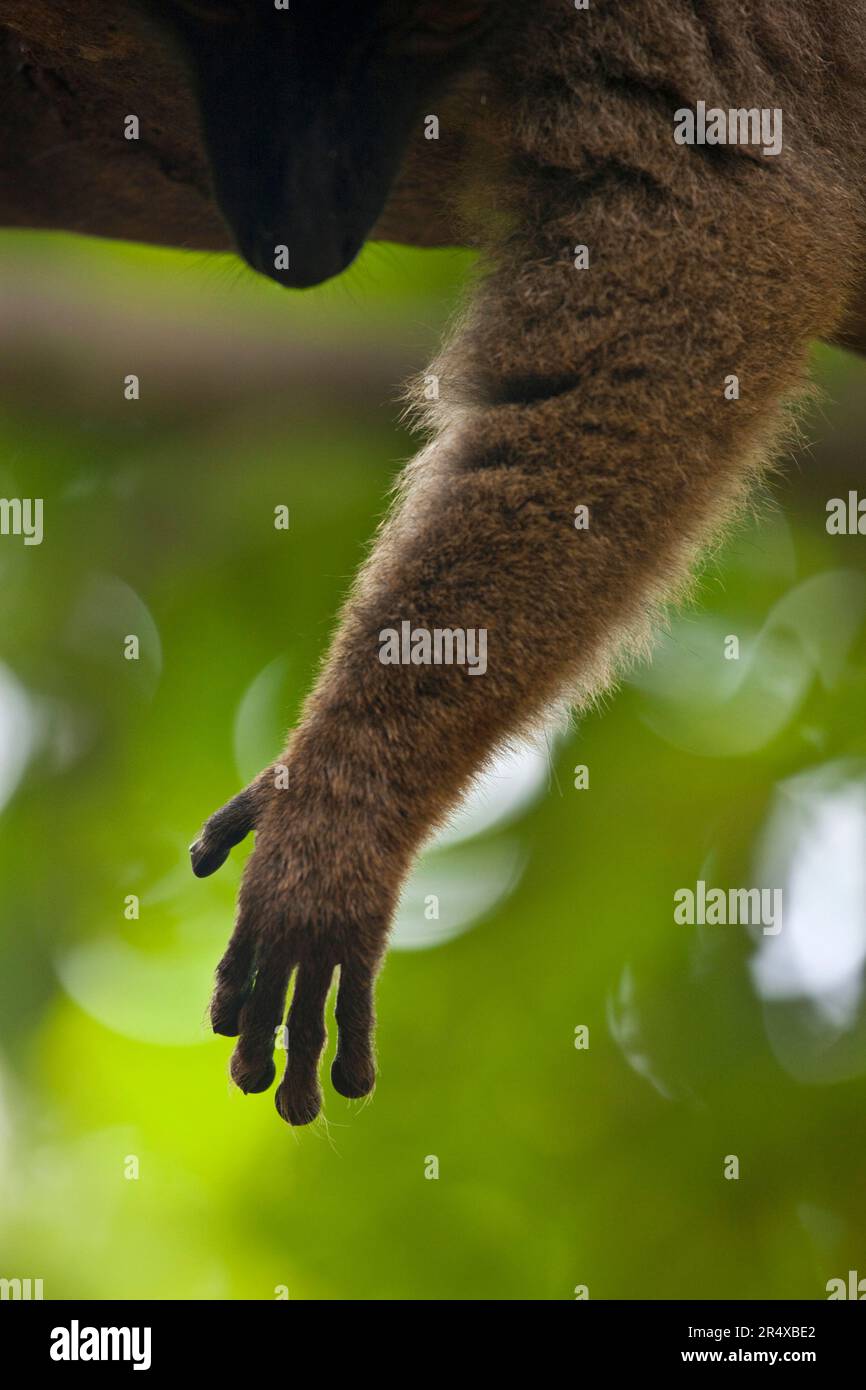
(71, 70)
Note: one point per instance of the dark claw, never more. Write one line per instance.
(353, 1071)
(251, 1082)
(297, 1110)
(234, 982)
(225, 829)
(353, 1082)
(252, 1065)
(225, 1015)
(298, 1097)
(206, 859)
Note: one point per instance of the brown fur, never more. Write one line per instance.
(559, 387)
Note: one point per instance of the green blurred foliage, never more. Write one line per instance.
(558, 1166)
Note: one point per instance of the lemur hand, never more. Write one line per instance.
(310, 900)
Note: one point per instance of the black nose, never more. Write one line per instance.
(299, 262)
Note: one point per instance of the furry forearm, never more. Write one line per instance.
(628, 419)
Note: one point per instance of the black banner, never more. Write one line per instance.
(73, 1338)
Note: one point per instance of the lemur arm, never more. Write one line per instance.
(603, 388)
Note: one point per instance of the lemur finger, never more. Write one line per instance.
(353, 1071)
(252, 1065)
(225, 829)
(299, 1097)
(234, 982)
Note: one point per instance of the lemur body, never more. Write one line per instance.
(595, 380)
